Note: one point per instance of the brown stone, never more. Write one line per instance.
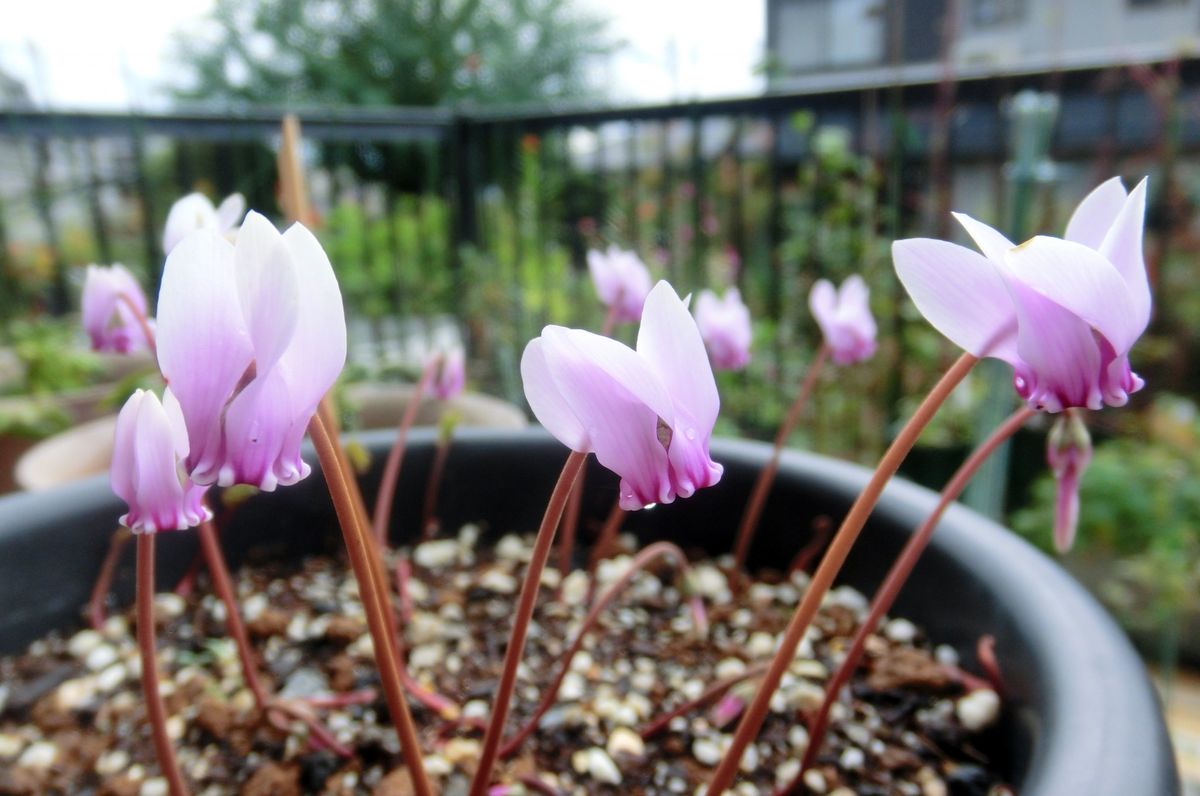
(274, 779)
(271, 622)
(906, 667)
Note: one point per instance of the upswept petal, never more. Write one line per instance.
(1060, 364)
(267, 289)
(230, 211)
(547, 402)
(1081, 280)
(317, 352)
(961, 293)
(203, 346)
(670, 341)
(822, 300)
(1096, 213)
(122, 472)
(178, 426)
(989, 240)
(187, 215)
(451, 375)
(257, 425)
(601, 386)
(1122, 245)
(604, 276)
(853, 294)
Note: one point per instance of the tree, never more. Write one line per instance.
(391, 52)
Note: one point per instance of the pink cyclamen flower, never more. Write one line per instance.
(196, 211)
(844, 315)
(451, 375)
(250, 338)
(150, 445)
(1063, 312)
(110, 322)
(1068, 452)
(621, 281)
(725, 327)
(647, 414)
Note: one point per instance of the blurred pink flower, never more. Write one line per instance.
(621, 281)
(725, 326)
(109, 321)
(844, 315)
(148, 449)
(1068, 452)
(1063, 312)
(250, 337)
(195, 211)
(647, 414)
(450, 377)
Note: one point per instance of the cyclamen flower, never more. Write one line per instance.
(109, 321)
(251, 336)
(450, 377)
(1068, 452)
(1063, 312)
(844, 316)
(150, 445)
(725, 327)
(196, 211)
(646, 414)
(621, 281)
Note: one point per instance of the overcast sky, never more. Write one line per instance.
(115, 54)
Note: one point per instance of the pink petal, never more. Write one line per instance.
(267, 289)
(257, 426)
(230, 211)
(961, 293)
(1122, 245)
(547, 402)
(451, 375)
(187, 215)
(124, 460)
(1083, 281)
(822, 300)
(990, 242)
(1094, 216)
(109, 321)
(1060, 365)
(670, 342)
(203, 346)
(317, 352)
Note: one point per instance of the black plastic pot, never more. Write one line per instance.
(1082, 717)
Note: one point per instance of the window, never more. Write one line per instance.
(996, 13)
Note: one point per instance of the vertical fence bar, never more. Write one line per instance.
(631, 173)
(150, 243)
(666, 210)
(44, 205)
(737, 237)
(466, 222)
(696, 177)
(774, 235)
(96, 207)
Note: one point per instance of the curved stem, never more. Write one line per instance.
(886, 595)
(766, 476)
(520, 628)
(143, 322)
(822, 528)
(568, 528)
(608, 535)
(429, 522)
(710, 694)
(108, 570)
(156, 711)
(651, 552)
(391, 470)
(366, 568)
(835, 556)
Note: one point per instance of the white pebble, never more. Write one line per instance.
(111, 677)
(706, 752)
(624, 741)
(815, 781)
(729, 667)
(154, 787)
(170, 604)
(601, 767)
(436, 554)
(254, 606)
(978, 709)
(112, 762)
(438, 766)
(946, 655)
(84, 642)
(798, 738)
(10, 744)
(900, 631)
(710, 582)
(475, 709)
(40, 755)
(498, 581)
(852, 758)
(786, 772)
(749, 762)
(760, 645)
(511, 548)
(100, 658)
(572, 688)
(426, 656)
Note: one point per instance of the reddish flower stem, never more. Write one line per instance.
(766, 476)
(187, 583)
(608, 535)
(822, 528)
(520, 628)
(897, 576)
(710, 694)
(156, 711)
(985, 653)
(639, 562)
(143, 322)
(391, 470)
(366, 566)
(403, 574)
(108, 570)
(429, 522)
(830, 565)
